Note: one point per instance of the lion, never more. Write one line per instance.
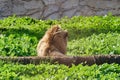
(53, 43)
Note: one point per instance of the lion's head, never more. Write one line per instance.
(55, 39)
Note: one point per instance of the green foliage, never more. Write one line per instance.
(85, 26)
(96, 44)
(25, 25)
(12, 71)
(17, 45)
(87, 36)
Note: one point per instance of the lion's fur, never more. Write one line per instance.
(53, 43)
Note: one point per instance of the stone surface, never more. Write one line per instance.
(50, 9)
(69, 13)
(56, 9)
(69, 4)
(18, 7)
(5, 8)
(33, 4)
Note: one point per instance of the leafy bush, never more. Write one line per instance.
(85, 26)
(17, 45)
(12, 71)
(96, 44)
(87, 35)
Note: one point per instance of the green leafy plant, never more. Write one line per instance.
(87, 36)
(53, 72)
(96, 44)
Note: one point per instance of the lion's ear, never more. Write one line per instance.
(55, 28)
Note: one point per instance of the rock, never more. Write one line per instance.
(50, 10)
(33, 4)
(55, 9)
(18, 8)
(5, 8)
(69, 13)
(70, 3)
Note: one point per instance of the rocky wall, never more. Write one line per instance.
(55, 9)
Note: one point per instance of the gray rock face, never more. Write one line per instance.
(56, 9)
